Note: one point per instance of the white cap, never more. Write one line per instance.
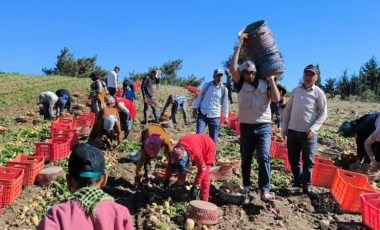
(248, 65)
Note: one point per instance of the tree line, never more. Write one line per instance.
(68, 65)
(364, 86)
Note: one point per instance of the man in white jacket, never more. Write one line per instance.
(48, 100)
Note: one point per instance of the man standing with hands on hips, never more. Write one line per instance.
(304, 115)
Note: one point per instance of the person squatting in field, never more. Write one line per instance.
(153, 138)
(48, 100)
(64, 101)
(196, 149)
(366, 131)
(127, 113)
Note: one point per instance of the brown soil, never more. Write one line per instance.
(288, 212)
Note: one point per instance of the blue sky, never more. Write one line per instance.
(338, 35)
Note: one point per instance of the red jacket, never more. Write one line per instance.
(129, 105)
(201, 149)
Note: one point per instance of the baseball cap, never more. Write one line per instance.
(218, 72)
(86, 161)
(248, 65)
(311, 68)
(152, 145)
(346, 129)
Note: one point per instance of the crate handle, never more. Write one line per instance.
(349, 174)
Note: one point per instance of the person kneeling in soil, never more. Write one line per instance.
(153, 138)
(199, 149)
(48, 100)
(127, 112)
(178, 103)
(366, 131)
(88, 207)
(109, 123)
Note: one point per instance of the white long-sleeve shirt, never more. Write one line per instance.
(306, 109)
(112, 79)
(213, 101)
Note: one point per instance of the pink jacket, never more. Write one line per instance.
(70, 215)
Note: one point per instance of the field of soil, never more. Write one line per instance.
(155, 208)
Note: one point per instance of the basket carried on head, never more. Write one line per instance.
(230, 193)
(203, 212)
(262, 49)
(371, 171)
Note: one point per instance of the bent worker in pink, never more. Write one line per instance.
(198, 149)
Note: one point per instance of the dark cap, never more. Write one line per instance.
(86, 161)
(346, 129)
(312, 68)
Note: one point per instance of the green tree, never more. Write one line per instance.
(319, 80)
(343, 86)
(329, 87)
(370, 72)
(67, 65)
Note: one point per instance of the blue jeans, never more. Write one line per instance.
(297, 143)
(256, 137)
(213, 126)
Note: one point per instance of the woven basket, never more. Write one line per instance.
(203, 212)
(262, 49)
(371, 171)
(228, 198)
(49, 174)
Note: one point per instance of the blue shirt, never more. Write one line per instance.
(213, 101)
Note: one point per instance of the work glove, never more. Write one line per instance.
(194, 192)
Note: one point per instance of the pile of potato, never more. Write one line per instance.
(232, 189)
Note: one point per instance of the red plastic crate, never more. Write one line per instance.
(1, 199)
(222, 119)
(237, 127)
(282, 152)
(82, 126)
(32, 165)
(347, 187)
(323, 173)
(371, 210)
(90, 116)
(70, 134)
(64, 120)
(273, 149)
(55, 126)
(11, 179)
(54, 149)
(232, 123)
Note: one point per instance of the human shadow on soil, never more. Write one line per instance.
(122, 191)
(351, 226)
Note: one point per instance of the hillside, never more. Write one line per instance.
(19, 95)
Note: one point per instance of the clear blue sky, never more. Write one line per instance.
(338, 35)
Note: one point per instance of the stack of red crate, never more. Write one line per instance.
(371, 209)
(53, 149)
(347, 187)
(11, 179)
(31, 165)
